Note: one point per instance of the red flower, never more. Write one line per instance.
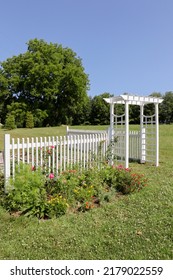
(120, 167)
(51, 176)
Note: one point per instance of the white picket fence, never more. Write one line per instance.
(79, 149)
(54, 154)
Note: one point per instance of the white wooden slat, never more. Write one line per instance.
(57, 156)
(74, 152)
(36, 151)
(18, 150)
(87, 150)
(23, 150)
(41, 152)
(81, 144)
(68, 150)
(13, 158)
(32, 152)
(71, 151)
(27, 150)
(49, 154)
(61, 153)
(64, 153)
(84, 148)
(78, 140)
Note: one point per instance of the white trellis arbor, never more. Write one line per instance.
(149, 128)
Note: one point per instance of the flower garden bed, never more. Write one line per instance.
(48, 196)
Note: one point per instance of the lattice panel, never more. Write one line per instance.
(149, 125)
(119, 137)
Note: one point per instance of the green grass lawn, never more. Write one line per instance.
(138, 226)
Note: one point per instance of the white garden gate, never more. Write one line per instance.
(147, 149)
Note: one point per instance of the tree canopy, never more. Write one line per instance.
(48, 80)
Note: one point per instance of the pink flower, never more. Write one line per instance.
(120, 167)
(51, 176)
(33, 168)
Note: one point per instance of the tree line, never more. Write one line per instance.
(47, 86)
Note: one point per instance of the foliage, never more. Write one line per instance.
(29, 120)
(27, 194)
(1, 187)
(10, 122)
(18, 110)
(100, 110)
(57, 206)
(128, 181)
(166, 108)
(48, 78)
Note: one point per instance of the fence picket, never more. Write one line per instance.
(27, 150)
(61, 153)
(64, 153)
(13, 158)
(41, 151)
(18, 150)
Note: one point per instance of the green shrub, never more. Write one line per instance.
(28, 194)
(29, 120)
(128, 181)
(10, 122)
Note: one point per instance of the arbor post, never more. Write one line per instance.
(157, 133)
(126, 134)
(111, 132)
(142, 136)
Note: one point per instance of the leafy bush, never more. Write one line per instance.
(127, 181)
(29, 120)
(28, 194)
(10, 122)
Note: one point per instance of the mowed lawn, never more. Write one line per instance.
(137, 226)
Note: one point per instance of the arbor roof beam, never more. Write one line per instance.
(133, 100)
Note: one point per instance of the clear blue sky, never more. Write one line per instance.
(125, 45)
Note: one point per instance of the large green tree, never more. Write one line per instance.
(48, 79)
